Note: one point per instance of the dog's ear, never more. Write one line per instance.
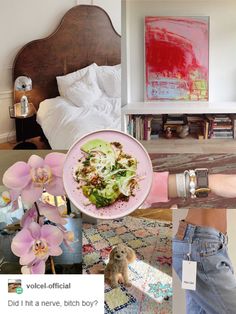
(131, 256)
(112, 254)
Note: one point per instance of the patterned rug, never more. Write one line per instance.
(150, 274)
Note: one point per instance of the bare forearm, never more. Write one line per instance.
(172, 187)
(219, 184)
(223, 185)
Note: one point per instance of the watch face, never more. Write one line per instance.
(202, 183)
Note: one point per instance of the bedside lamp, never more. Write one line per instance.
(23, 110)
(23, 84)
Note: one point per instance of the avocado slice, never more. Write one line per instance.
(98, 145)
(105, 197)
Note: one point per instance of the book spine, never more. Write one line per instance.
(132, 127)
(136, 127)
(145, 128)
(206, 130)
(149, 128)
(222, 135)
(234, 124)
(141, 129)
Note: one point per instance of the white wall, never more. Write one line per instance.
(179, 295)
(222, 65)
(26, 20)
(112, 7)
(21, 22)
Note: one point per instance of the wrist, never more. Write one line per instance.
(213, 182)
(193, 183)
(222, 184)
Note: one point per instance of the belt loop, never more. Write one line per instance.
(191, 234)
(226, 239)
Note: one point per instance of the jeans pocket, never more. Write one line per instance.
(209, 248)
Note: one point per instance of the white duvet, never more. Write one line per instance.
(63, 122)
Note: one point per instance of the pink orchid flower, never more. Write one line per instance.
(31, 178)
(29, 217)
(35, 243)
(52, 213)
(37, 268)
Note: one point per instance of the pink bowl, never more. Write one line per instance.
(118, 209)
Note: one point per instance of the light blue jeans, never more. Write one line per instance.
(216, 285)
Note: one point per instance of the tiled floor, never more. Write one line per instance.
(150, 273)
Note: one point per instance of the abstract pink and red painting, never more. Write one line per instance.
(177, 58)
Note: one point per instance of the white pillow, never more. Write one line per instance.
(84, 92)
(109, 80)
(63, 82)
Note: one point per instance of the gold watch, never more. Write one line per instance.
(202, 188)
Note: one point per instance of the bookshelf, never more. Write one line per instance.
(188, 144)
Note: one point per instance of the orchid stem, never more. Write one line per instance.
(37, 208)
(52, 265)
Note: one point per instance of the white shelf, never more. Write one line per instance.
(179, 107)
(187, 145)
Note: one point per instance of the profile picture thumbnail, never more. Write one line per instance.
(13, 285)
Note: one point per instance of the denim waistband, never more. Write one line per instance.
(193, 231)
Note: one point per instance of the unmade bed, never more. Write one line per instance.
(85, 51)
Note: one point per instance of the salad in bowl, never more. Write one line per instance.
(106, 173)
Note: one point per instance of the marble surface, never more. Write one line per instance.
(216, 163)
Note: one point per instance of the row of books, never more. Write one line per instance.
(213, 126)
(144, 127)
(221, 126)
(148, 127)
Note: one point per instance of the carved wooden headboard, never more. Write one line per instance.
(85, 35)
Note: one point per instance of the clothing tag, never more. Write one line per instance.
(181, 230)
(189, 275)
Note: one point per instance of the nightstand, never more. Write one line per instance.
(21, 122)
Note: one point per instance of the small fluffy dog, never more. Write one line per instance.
(116, 270)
